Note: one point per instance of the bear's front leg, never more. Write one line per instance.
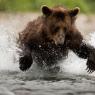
(87, 51)
(25, 60)
(91, 61)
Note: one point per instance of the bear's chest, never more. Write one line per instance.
(49, 54)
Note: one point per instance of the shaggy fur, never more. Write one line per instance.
(47, 39)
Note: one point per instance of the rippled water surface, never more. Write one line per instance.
(71, 80)
(17, 83)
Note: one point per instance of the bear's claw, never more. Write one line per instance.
(89, 70)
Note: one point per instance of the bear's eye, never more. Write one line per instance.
(65, 29)
(56, 29)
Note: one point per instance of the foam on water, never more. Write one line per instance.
(9, 56)
(74, 64)
(92, 38)
(8, 48)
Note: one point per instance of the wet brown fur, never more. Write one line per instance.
(47, 39)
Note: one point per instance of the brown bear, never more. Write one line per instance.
(47, 39)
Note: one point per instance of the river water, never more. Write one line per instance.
(72, 78)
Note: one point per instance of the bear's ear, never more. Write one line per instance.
(74, 12)
(46, 10)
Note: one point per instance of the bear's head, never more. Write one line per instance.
(58, 22)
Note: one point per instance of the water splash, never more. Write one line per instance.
(74, 64)
(8, 48)
(9, 56)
